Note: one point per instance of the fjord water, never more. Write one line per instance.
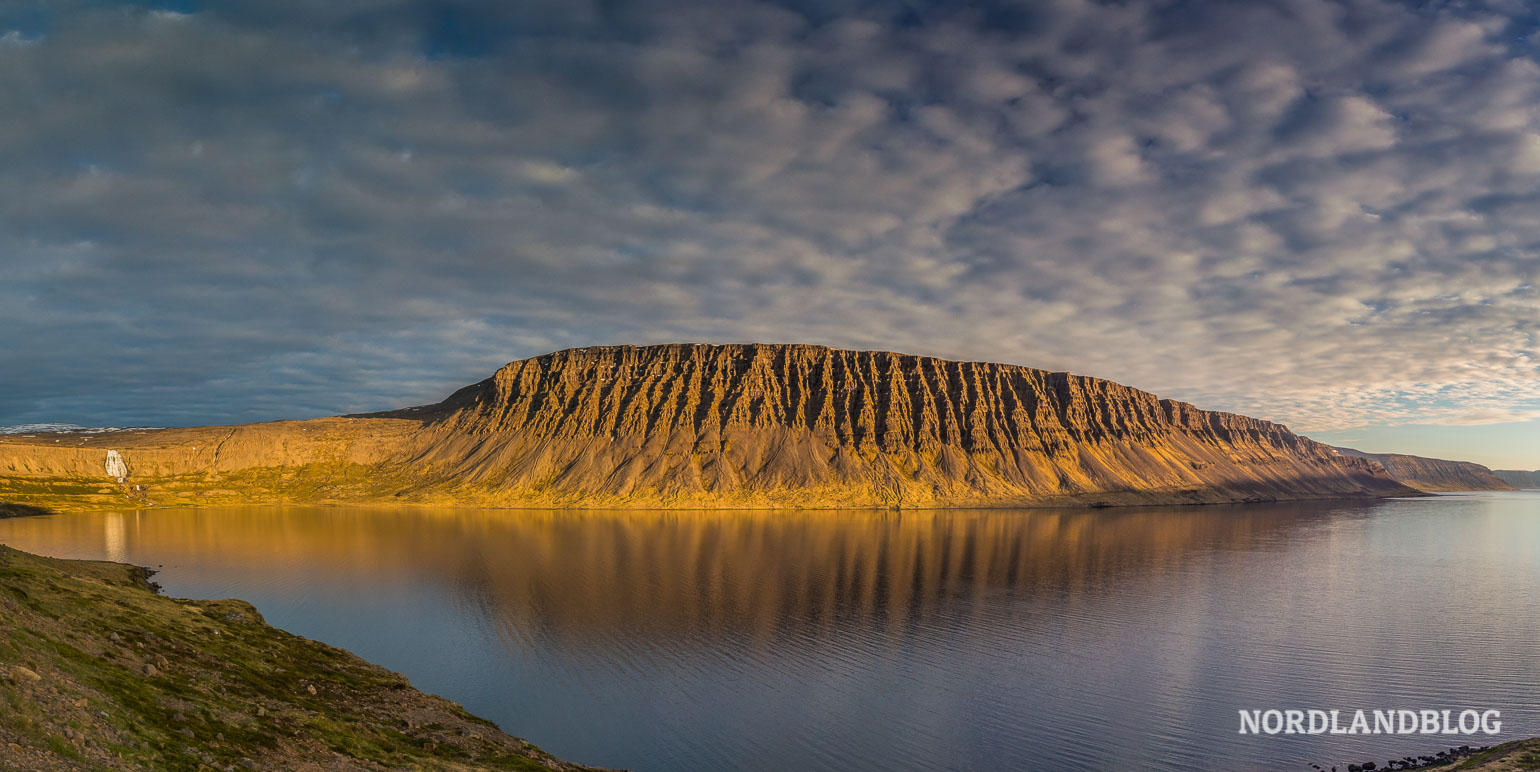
(1032, 639)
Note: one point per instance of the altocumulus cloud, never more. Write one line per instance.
(1321, 212)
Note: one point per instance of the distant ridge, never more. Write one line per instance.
(1519, 479)
(1435, 474)
(747, 425)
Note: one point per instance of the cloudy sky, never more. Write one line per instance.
(1321, 212)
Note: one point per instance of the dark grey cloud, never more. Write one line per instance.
(1318, 212)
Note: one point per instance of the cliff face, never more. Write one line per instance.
(1518, 478)
(1434, 474)
(743, 426)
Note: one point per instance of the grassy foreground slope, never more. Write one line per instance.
(1517, 756)
(99, 671)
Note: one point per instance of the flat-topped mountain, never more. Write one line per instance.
(689, 426)
(1519, 478)
(1435, 474)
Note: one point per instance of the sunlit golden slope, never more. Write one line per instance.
(722, 426)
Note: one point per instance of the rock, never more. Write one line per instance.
(150, 670)
(786, 425)
(246, 764)
(311, 689)
(114, 637)
(160, 661)
(1518, 478)
(15, 748)
(261, 711)
(21, 675)
(80, 703)
(1434, 474)
(234, 616)
(185, 732)
(959, 431)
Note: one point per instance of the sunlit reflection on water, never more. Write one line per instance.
(1043, 639)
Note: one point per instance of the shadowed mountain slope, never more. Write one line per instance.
(1518, 478)
(1435, 474)
(723, 426)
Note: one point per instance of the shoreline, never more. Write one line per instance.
(98, 670)
(11, 509)
(1084, 515)
(1117, 500)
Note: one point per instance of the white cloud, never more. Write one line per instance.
(1326, 216)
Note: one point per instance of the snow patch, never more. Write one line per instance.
(66, 429)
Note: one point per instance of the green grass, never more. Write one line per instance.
(1484, 756)
(89, 628)
(62, 747)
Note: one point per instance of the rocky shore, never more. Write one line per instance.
(1516, 756)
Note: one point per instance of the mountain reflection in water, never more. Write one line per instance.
(1039, 639)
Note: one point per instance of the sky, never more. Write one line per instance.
(1320, 212)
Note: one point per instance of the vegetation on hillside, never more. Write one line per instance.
(99, 671)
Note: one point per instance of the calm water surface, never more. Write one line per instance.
(1053, 640)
